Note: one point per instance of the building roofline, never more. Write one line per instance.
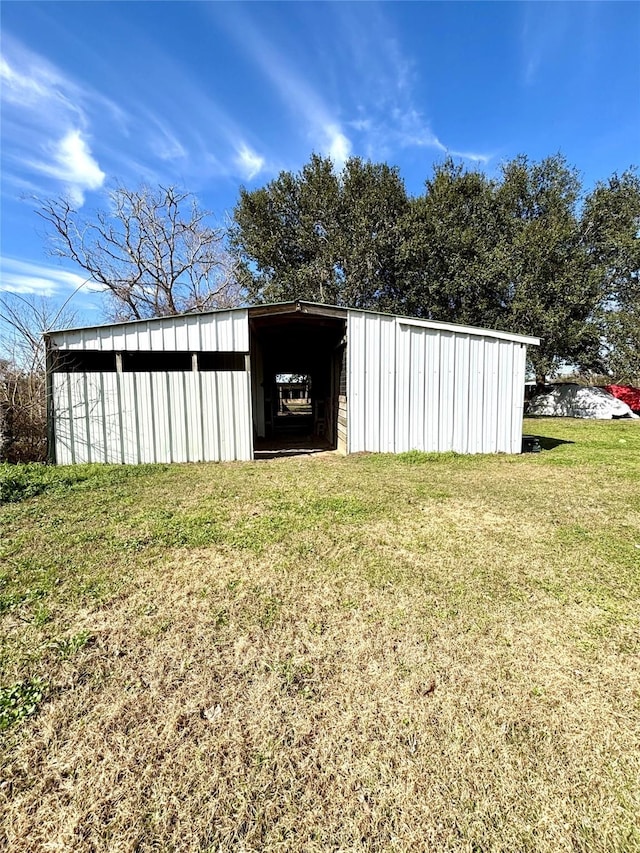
(317, 309)
(120, 323)
(469, 330)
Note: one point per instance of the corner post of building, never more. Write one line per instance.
(48, 373)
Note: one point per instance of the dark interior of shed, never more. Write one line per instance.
(296, 361)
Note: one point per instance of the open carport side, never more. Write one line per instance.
(308, 344)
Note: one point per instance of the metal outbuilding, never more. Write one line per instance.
(204, 387)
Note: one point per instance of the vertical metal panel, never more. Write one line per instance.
(221, 330)
(225, 332)
(91, 339)
(517, 396)
(225, 408)
(445, 414)
(194, 417)
(387, 385)
(371, 386)
(104, 337)
(490, 402)
(209, 336)
(164, 448)
(372, 369)
(152, 417)
(129, 438)
(194, 339)
(432, 392)
(146, 417)
(476, 394)
(78, 407)
(144, 337)
(356, 340)
(402, 395)
(155, 336)
(243, 429)
(460, 392)
(181, 333)
(418, 387)
(175, 407)
(240, 321)
(70, 340)
(169, 337)
(211, 424)
(132, 336)
(505, 405)
(118, 338)
(95, 417)
(62, 424)
(110, 410)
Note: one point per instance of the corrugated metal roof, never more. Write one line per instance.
(320, 309)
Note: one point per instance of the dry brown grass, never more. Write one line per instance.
(362, 654)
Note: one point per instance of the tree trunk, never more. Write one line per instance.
(541, 381)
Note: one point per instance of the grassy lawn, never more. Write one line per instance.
(374, 653)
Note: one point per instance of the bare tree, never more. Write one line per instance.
(23, 401)
(153, 251)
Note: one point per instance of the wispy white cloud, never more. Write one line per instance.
(50, 118)
(547, 30)
(410, 129)
(413, 131)
(31, 83)
(25, 277)
(205, 147)
(384, 78)
(320, 124)
(338, 146)
(19, 88)
(164, 143)
(40, 104)
(60, 136)
(383, 82)
(472, 156)
(249, 162)
(72, 163)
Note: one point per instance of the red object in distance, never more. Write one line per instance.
(628, 394)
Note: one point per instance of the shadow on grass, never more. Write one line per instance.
(547, 443)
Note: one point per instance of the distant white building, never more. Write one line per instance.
(202, 387)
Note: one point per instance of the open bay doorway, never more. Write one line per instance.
(297, 362)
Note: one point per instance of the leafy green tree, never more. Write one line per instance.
(373, 203)
(552, 290)
(524, 251)
(611, 231)
(322, 236)
(452, 250)
(285, 236)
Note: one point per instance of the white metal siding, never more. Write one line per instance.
(152, 417)
(159, 416)
(223, 331)
(415, 387)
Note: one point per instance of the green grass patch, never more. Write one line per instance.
(19, 482)
(378, 652)
(20, 701)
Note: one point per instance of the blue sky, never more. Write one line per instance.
(212, 96)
